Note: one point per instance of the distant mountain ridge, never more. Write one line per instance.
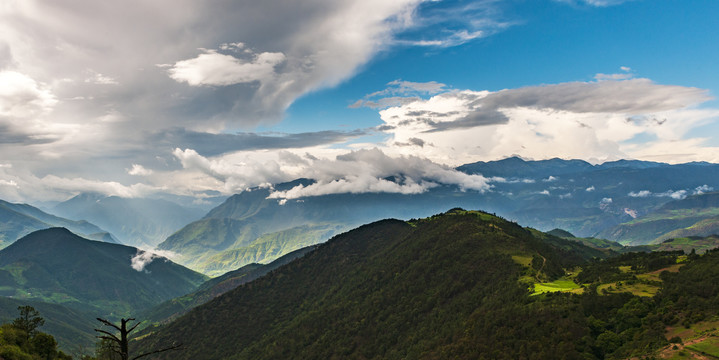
(136, 222)
(18, 220)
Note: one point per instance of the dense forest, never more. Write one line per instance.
(456, 285)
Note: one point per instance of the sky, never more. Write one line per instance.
(206, 98)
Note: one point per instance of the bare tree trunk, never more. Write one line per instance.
(122, 341)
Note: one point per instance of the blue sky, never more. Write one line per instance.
(191, 98)
(670, 42)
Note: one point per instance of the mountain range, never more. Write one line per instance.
(574, 195)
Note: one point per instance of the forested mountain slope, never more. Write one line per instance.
(391, 289)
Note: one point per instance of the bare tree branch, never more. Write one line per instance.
(108, 323)
(122, 341)
(133, 327)
(173, 347)
(114, 338)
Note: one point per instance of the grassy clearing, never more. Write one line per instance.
(699, 341)
(638, 289)
(695, 330)
(559, 285)
(654, 275)
(710, 346)
(523, 260)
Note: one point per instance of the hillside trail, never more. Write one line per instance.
(668, 351)
(544, 262)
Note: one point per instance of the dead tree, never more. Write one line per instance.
(121, 342)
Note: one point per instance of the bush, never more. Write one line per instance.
(13, 352)
(676, 340)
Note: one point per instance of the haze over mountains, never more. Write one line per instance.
(136, 222)
(18, 220)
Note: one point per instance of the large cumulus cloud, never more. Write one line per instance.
(597, 121)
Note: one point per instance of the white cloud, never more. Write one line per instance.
(605, 2)
(676, 195)
(589, 189)
(640, 194)
(604, 203)
(399, 92)
(139, 170)
(602, 77)
(143, 258)
(100, 79)
(351, 172)
(213, 68)
(702, 189)
(21, 97)
(430, 87)
(8, 183)
(595, 121)
(512, 181)
(597, 3)
(23, 186)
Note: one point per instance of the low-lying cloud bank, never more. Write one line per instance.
(358, 171)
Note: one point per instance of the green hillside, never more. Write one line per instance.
(57, 266)
(442, 287)
(704, 227)
(212, 246)
(215, 287)
(697, 215)
(700, 244)
(267, 248)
